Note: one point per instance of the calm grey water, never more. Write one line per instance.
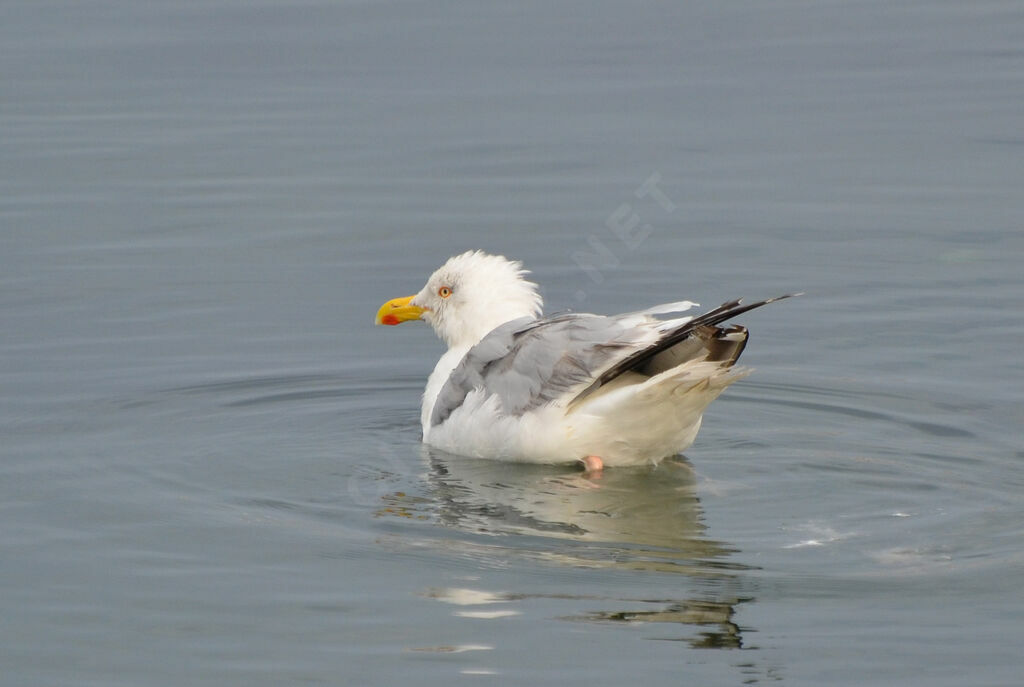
(210, 468)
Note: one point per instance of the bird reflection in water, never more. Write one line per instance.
(644, 519)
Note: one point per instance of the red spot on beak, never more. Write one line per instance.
(389, 319)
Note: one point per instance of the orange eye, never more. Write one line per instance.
(444, 291)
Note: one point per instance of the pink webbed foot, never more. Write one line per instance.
(592, 465)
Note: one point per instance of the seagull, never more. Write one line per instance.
(618, 390)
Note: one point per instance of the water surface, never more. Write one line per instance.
(210, 467)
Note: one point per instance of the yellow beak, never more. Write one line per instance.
(397, 311)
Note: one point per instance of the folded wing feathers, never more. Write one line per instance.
(530, 363)
(703, 324)
(665, 308)
(527, 363)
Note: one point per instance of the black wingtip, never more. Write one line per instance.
(726, 311)
(731, 309)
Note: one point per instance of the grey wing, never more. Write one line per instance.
(528, 363)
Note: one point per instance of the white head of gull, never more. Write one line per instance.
(626, 389)
(473, 293)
